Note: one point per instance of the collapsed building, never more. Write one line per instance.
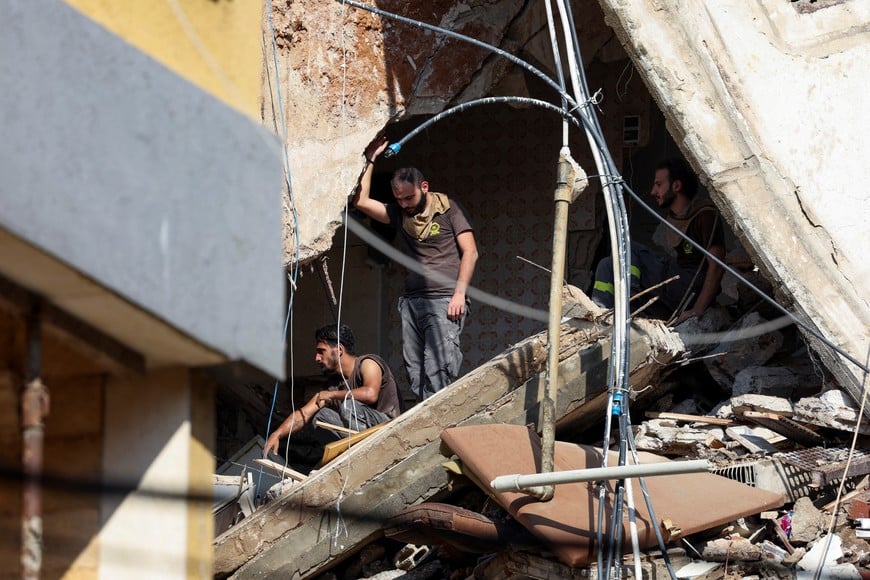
(706, 82)
(755, 96)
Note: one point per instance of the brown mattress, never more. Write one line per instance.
(692, 502)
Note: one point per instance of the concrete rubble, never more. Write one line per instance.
(403, 464)
(762, 410)
(715, 422)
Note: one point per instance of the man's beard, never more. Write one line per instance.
(668, 199)
(418, 209)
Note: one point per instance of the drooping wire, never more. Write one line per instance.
(212, 63)
(340, 525)
(294, 273)
(557, 62)
(610, 177)
(618, 372)
(836, 508)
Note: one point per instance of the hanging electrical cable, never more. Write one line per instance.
(294, 273)
(613, 186)
(620, 344)
(557, 63)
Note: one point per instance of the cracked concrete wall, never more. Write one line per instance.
(764, 98)
(345, 73)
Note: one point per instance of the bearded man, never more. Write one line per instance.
(361, 391)
(674, 189)
(435, 233)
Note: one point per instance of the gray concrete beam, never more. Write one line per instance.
(748, 91)
(133, 199)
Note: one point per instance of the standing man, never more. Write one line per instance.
(674, 189)
(363, 395)
(438, 236)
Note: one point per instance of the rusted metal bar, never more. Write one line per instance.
(34, 409)
(564, 190)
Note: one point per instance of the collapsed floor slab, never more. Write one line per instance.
(340, 508)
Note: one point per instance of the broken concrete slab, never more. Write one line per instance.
(834, 409)
(736, 352)
(807, 522)
(666, 437)
(732, 549)
(400, 465)
(763, 403)
(774, 381)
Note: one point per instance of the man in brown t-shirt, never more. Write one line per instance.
(364, 393)
(436, 233)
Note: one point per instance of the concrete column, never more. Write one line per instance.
(154, 441)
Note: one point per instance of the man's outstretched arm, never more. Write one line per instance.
(296, 421)
(362, 200)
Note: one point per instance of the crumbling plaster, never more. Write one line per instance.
(346, 73)
(763, 99)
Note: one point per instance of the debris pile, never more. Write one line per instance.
(766, 417)
(787, 489)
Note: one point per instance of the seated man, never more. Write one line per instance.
(364, 395)
(674, 189)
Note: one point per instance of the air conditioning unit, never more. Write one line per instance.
(631, 130)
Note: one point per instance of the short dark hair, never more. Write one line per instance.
(410, 175)
(332, 334)
(679, 170)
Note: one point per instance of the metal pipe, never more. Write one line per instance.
(519, 482)
(34, 409)
(563, 196)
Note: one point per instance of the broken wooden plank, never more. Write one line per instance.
(786, 427)
(401, 465)
(336, 448)
(336, 428)
(689, 418)
(281, 469)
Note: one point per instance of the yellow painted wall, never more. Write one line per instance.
(216, 44)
